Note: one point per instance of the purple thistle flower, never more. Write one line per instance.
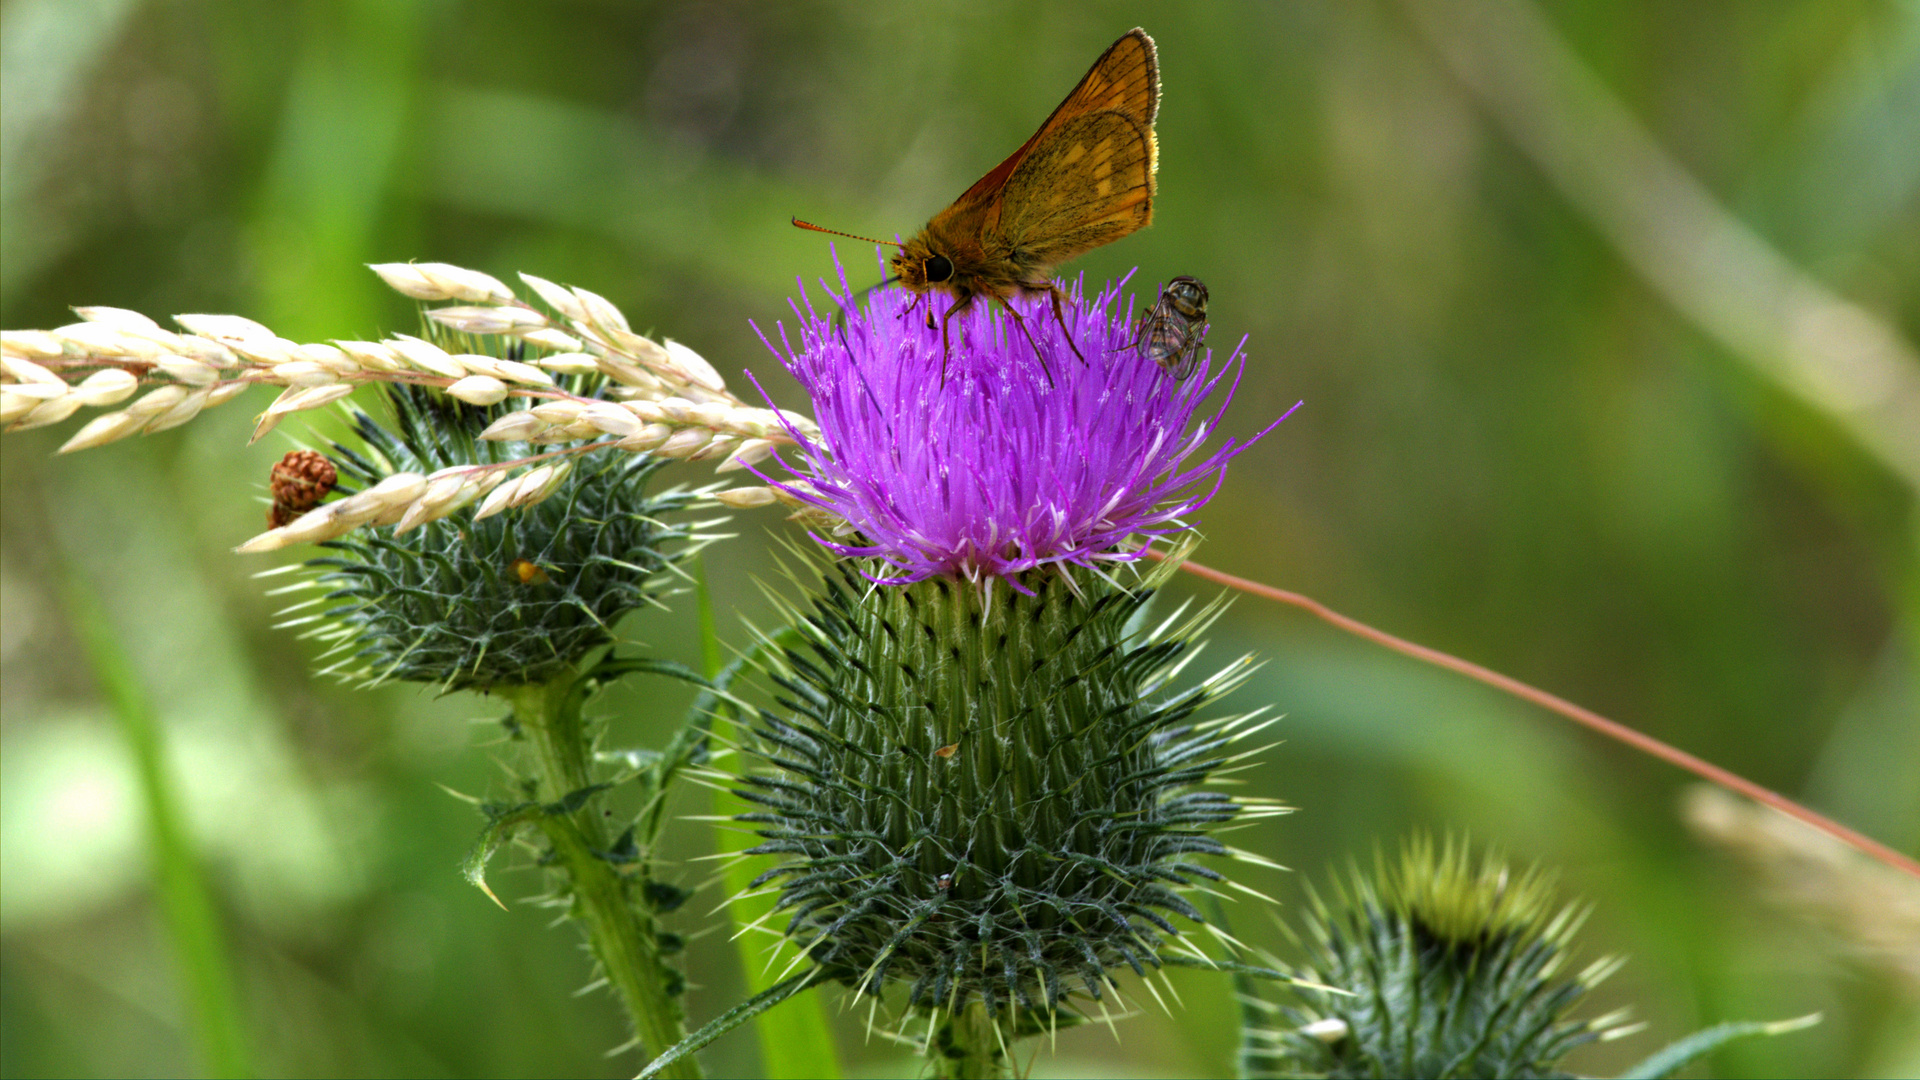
(990, 461)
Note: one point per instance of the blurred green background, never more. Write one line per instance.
(1542, 431)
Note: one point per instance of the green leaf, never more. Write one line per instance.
(614, 667)
(1683, 1053)
(499, 830)
(757, 1005)
(186, 902)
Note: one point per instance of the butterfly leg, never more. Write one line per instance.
(959, 305)
(1022, 324)
(1053, 291)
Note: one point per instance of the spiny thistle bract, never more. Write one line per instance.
(1451, 968)
(516, 598)
(976, 793)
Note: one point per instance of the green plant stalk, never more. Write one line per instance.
(185, 901)
(624, 935)
(966, 1046)
(795, 1041)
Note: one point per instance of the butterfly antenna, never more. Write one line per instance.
(836, 232)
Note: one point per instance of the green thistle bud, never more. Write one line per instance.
(515, 598)
(975, 792)
(1451, 969)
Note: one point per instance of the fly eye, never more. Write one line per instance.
(939, 268)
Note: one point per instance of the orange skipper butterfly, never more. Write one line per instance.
(1086, 178)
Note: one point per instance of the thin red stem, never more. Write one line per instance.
(1706, 770)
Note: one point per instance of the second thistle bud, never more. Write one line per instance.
(1440, 964)
(981, 794)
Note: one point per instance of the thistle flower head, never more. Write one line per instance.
(474, 601)
(1014, 443)
(991, 792)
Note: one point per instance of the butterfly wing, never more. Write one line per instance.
(1090, 184)
(1126, 79)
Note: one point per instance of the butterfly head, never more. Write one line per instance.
(920, 268)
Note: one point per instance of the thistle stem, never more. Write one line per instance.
(966, 1046)
(1612, 729)
(624, 935)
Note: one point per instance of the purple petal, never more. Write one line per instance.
(1011, 458)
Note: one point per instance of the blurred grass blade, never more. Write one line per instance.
(795, 1042)
(1832, 354)
(185, 901)
(1697, 1045)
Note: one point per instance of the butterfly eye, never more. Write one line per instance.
(939, 268)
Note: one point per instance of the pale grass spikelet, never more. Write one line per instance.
(516, 371)
(331, 357)
(183, 410)
(749, 452)
(102, 430)
(385, 502)
(318, 524)
(557, 297)
(515, 427)
(479, 390)
(660, 397)
(372, 356)
(600, 312)
(306, 373)
(488, 320)
(685, 442)
(427, 357)
(745, 498)
(570, 363)
(441, 281)
(188, 370)
(101, 339)
(50, 411)
(647, 438)
(694, 366)
(610, 418)
(447, 491)
(224, 328)
(513, 492)
(23, 370)
(30, 345)
(107, 387)
(120, 319)
(558, 341)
